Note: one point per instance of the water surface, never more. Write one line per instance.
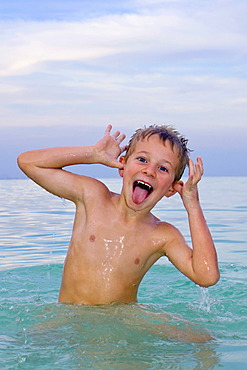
(37, 332)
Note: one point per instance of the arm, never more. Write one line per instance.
(45, 166)
(199, 264)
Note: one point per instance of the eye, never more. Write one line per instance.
(163, 169)
(141, 159)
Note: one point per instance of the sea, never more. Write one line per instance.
(37, 332)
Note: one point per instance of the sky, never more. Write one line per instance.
(69, 68)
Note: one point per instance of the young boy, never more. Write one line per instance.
(116, 238)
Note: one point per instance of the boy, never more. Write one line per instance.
(116, 238)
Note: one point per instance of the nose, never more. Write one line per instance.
(149, 170)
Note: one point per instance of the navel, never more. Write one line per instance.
(92, 238)
(137, 260)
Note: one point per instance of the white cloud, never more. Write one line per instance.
(26, 45)
(172, 61)
(99, 97)
(168, 61)
(240, 101)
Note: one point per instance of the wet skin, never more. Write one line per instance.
(115, 241)
(115, 237)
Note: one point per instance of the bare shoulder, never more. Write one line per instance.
(169, 234)
(91, 188)
(165, 227)
(74, 187)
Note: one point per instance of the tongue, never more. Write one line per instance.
(139, 195)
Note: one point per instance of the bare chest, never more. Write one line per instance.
(113, 246)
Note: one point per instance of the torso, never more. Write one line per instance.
(107, 259)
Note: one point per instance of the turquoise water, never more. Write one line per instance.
(38, 333)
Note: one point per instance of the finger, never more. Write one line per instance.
(115, 135)
(178, 186)
(121, 138)
(198, 173)
(200, 163)
(199, 166)
(191, 167)
(117, 164)
(108, 130)
(195, 173)
(123, 148)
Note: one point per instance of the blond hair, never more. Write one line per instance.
(165, 133)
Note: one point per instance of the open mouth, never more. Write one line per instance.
(141, 190)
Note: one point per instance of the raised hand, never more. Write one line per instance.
(189, 190)
(109, 149)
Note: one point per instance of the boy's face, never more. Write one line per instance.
(149, 173)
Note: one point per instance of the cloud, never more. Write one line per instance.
(152, 61)
(83, 64)
(99, 97)
(28, 45)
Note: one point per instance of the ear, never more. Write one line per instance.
(121, 160)
(175, 188)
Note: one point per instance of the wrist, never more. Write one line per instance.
(193, 206)
(98, 155)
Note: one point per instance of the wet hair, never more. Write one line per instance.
(165, 132)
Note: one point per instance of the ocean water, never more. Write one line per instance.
(39, 333)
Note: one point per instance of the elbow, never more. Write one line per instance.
(20, 160)
(23, 162)
(210, 280)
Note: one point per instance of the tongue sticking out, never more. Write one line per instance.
(139, 195)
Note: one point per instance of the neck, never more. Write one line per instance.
(130, 215)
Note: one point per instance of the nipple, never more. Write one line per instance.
(92, 238)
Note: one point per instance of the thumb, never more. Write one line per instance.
(178, 186)
(116, 164)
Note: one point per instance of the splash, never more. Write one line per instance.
(205, 300)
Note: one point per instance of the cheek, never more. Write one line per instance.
(165, 185)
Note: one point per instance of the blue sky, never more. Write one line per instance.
(68, 68)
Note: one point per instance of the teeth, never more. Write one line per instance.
(144, 184)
